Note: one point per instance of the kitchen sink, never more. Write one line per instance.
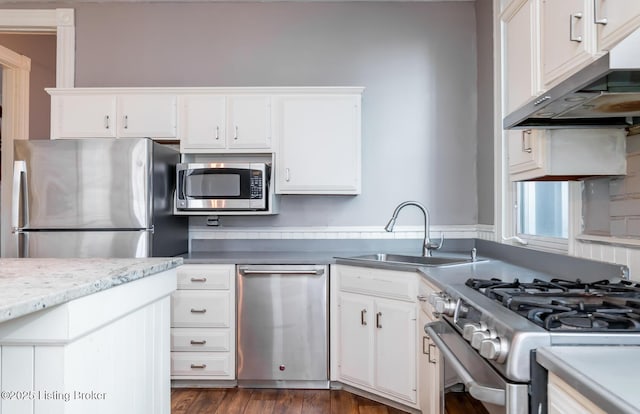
(412, 260)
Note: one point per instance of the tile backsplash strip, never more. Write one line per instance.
(485, 232)
(611, 253)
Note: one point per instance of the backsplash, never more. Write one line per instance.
(484, 232)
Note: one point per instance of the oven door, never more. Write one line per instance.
(480, 379)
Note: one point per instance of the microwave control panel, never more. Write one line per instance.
(256, 184)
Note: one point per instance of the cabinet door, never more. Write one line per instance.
(249, 123)
(319, 144)
(202, 122)
(617, 19)
(527, 150)
(521, 53)
(355, 353)
(429, 366)
(83, 116)
(568, 38)
(151, 115)
(395, 348)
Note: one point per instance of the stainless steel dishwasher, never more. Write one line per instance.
(282, 332)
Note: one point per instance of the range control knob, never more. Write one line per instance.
(442, 304)
(470, 328)
(479, 336)
(494, 349)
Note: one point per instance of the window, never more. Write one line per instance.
(543, 209)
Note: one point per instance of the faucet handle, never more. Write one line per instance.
(436, 246)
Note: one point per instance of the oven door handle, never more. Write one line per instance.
(480, 392)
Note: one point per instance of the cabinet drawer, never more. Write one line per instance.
(201, 308)
(217, 277)
(201, 363)
(200, 339)
(385, 283)
(426, 289)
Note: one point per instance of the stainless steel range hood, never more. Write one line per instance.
(604, 94)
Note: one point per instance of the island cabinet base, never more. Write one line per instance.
(107, 352)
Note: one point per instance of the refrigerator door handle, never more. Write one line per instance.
(19, 169)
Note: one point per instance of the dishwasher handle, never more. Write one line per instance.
(315, 272)
(480, 392)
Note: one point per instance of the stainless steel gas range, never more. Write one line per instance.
(489, 329)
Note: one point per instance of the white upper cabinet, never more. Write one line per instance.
(211, 123)
(203, 122)
(521, 53)
(249, 122)
(318, 144)
(615, 19)
(567, 37)
(566, 153)
(82, 116)
(546, 41)
(107, 113)
(147, 116)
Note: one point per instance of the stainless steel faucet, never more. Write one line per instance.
(427, 244)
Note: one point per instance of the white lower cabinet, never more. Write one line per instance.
(429, 364)
(378, 340)
(564, 399)
(203, 323)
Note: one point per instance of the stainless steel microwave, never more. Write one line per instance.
(222, 186)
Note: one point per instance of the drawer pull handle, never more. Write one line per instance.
(378, 316)
(524, 148)
(198, 310)
(199, 279)
(363, 321)
(572, 18)
(422, 298)
(201, 366)
(194, 342)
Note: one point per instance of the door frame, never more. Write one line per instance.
(15, 91)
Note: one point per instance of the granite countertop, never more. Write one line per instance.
(29, 285)
(606, 375)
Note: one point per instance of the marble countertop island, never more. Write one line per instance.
(30, 285)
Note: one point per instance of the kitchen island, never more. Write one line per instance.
(85, 335)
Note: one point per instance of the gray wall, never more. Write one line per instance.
(417, 61)
(484, 19)
(41, 49)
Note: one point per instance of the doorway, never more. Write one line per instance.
(15, 92)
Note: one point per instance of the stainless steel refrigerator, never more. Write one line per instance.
(96, 198)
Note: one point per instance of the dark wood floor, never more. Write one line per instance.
(267, 401)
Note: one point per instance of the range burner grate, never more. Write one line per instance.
(564, 305)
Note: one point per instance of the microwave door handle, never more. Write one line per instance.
(479, 392)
